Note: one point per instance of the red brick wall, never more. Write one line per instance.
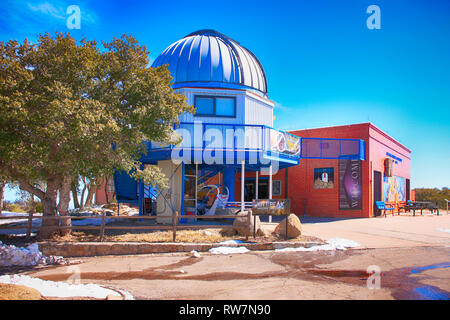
(325, 202)
(100, 197)
(379, 144)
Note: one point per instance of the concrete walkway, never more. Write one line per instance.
(410, 252)
(390, 232)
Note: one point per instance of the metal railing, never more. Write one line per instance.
(248, 137)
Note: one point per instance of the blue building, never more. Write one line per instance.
(230, 133)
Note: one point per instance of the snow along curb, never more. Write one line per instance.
(332, 244)
(91, 249)
(64, 289)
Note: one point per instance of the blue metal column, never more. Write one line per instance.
(183, 168)
(228, 181)
(141, 195)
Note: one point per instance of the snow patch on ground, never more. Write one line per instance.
(332, 244)
(62, 289)
(13, 219)
(231, 243)
(25, 256)
(228, 250)
(443, 230)
(195, 254)
(90, 221)
(13, 214)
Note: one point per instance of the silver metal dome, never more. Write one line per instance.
(209, 59)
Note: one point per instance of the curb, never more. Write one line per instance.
(91, 249)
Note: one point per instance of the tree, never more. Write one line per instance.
(69, 109)
(2, 192)
(434, 195)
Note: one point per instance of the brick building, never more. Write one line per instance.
(317, 187)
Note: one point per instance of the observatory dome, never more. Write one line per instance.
(209, 59)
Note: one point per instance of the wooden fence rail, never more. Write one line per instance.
(102, 227)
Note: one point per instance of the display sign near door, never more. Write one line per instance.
(274, 207)
(350, 185)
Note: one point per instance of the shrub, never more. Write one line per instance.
(39, 207)
(14, 207)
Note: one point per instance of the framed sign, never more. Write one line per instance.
(274, 207)
(323, 178)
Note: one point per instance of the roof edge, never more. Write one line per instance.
(369, 125)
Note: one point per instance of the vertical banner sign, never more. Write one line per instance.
(350, 185)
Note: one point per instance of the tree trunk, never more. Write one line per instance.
(76, 203)
(2, 192)
(106, 190)
(50, 209)
(63, 205)
(82, 192)
(90, 196)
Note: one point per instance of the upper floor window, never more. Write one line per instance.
(211, 106)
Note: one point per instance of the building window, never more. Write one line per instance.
(323, 178)
(204, 106)
(276, 188)
(210, 106)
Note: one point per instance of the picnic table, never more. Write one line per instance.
(421, 205)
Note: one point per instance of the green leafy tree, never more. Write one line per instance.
(69, 109)
(434, 195)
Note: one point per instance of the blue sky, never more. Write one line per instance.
(324, 66)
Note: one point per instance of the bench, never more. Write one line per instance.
(384, 207)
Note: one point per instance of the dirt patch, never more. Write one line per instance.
(153, 273)
(293, 268)
(18, 241)
(185, 236)
(188, 236)
(17, 292)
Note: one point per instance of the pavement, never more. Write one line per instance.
(401, 257)
(380, 232)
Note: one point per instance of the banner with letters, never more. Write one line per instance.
(350, 185)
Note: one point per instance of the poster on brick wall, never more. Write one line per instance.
(350, 185)
(394, 189)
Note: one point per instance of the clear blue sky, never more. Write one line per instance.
(324, 66)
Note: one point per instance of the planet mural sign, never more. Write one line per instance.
(350, 184)
(284, 142)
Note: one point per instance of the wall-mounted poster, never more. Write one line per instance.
(350, 185)
(323, 178)
(393, 189)
(284, 142)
